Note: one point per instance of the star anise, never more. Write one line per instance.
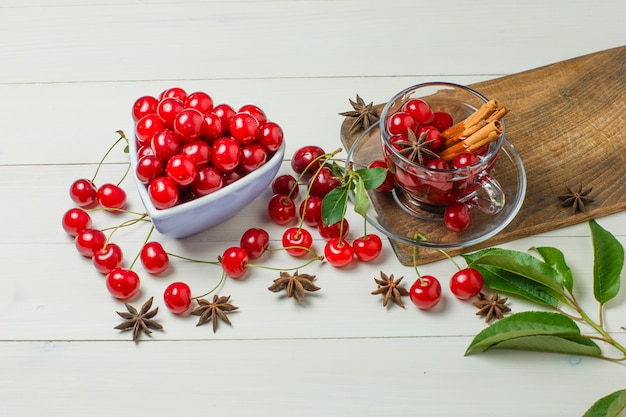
(139, 321)
(576, 198)
(491, 307)
(295, 285)
(213, 310)
(391, 288)
(364, 113)
(415, 148)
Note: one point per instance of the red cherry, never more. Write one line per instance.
(281, 209)
(400, 122)
(389, 182)
(368, 247)
(163, 192)
(466, 283)
(457, 217)
(311, 210)
(338, 252)
(255, 241)
(244, 128)
(425, 293)
(148, 168)
(154, 258)
(255, 111)
(146, 127)
(188, 124)
(122, 283)
(303, 158)
(437, 142)
(165, 144)
(465, 159)
(176, 92)
(270, 136)
(212, 127)
(442, 120)
(108, 258)
(330, 231)
(200, 101)
(253, 156)
(234, 262)
(144, 105)
(225, 154)
(323, 182)
(84, 193)
(437, 163)
(167, 110)
(177, 297)
(89, 241)
(75, 220)
(181, 169)
(111, 196)
(225, 113)
(419, 110)
(199, 151)
(207, 180)
(297, 241)
(286, 184)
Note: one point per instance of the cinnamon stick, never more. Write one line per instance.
(486, 134)
(453, 134)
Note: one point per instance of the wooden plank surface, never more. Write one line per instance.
(567, 121)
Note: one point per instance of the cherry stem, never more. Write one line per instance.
(117, 210)
(417, 236)
(184, 258)
(219, 284)
(121, 138)
(307, 263)
(144, 243)
(447, 255)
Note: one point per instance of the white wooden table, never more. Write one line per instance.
(69, 72)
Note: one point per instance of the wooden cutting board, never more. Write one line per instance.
(568, 122)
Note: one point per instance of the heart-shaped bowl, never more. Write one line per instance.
(197, 215)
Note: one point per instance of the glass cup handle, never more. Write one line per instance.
(488, 196)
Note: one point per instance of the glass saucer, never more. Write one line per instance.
(398, 222)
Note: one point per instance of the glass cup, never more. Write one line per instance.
(425, 192)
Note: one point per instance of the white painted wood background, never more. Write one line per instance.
(69, 72)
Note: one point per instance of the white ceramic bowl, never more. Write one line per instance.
(205, 212)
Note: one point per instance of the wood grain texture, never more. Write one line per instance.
(567, 121)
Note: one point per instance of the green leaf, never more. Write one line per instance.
(610, 406)
(529, 323)
(504, 281)
(556, 259)
(361, 200)
(608, 263)
(519, 263)
(372, 177)
(552, 344)
(126, 149)
(334, 205)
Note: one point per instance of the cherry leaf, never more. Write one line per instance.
(610, 406)
(529, 323)
(552, 344)
(334, 205)
(371, 177)
(361, 200)
(608, 263)
(556, 259)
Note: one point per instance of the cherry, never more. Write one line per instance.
(303, 158)
(234, 262)
(212, 127)
(75, 220)
(188, 124)
(145, 150)
(84, 193)
(244, 128)
(181, 169)
(176, 92)
(466, 283)
(338, 252)
(297, 241)
(368, 247)
(286, 184)
(400, 122)
(111, 196)
(177, 297)
(255, 241)
(419, 110)
(457, 216)
(200, 101)
(323, 182)
(389, 182)
(146, 127)
(225, 113)
(270, 136)
(198, 151)
(330, 231)
(122, 283)
(225, 154)
(425, 292)
(442, 120)
(144, 105)
(208, 180)
(281, 209)
(311, 210)
(154, 258)
(148, 168)
(167, 110)
(432, 135)
(163, 192)
(253, 156)
(108, 258)
(165, 144)
(88, 241)
(465, 159)
(437, 163)
(255, 111)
